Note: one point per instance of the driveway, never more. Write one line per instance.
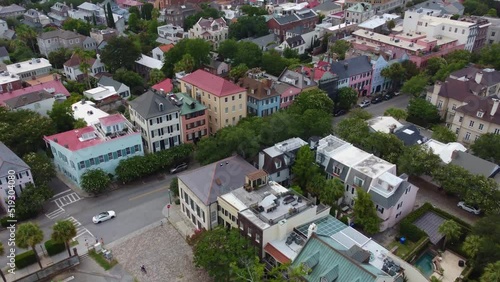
(429, 193)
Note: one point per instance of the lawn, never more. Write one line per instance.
(403, 249)
(102, 261)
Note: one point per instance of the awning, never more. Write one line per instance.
(277, 255)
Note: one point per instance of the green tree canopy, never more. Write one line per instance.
(386, 146)
(238, 72)
(353, 130)
(95, 181)
(304, 168)
(365, 213)
(274, 64)
(360, 113)
(130, 78)
(251, 11)
(452, 178)
(416, 160)
(197, 48)
(120, 52)
(63, 231)
(62, 117)
(228, 49)
(314, 99)
(486, 148)
(28, 235)
(451, 230)
(422, 112)
(80, 26)
(471, 245)
(347, 98)
(155, 76)
(30, 204)
(332, 192)
(397, 113)
(247, 27)
(248, 53)
(394, 72)
(443, 134)
(491, 272)
(340, 47)
(434, 65)
(42, 167)
(415, 85)
(58, 57)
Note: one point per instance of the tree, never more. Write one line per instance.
(23, 130)
(218, 248)
(146, 11)
(360, 113)
(353, 130)
(410, 69)
(85, 57)
(238, 72)
(347, 98)
(443, 134)
(63, 232)
(120, 52)
(395, 72)
(28, 35)
(340, 47)
(415, 85)
(486, 147)
(396, 113)
(42, 167)
(62, 117)
(155, 76)
(452, 178)
(459, 56)
(30, 204)
(314, 123)
(2, 252)
(248, 269)
(80, 26)
(134, 22)
(134, 10)
(332, 192)
(273, 63)
(28, 235)
(491, 272)
(174, 187)
(386, 146)
(451, 231)
(58, 57)
(228, 48)
(251, 11)
(490, 55)
(290, 53)
(247, 27)
(248, 53)
(471, 245)
(186, 64)
(130, 78)
(198, 48)
(391, 24)
(304, 167)
(434, 65)
(109, 16)
(422, 112)
(416, 160)
(365, 213)
(314, 99)
(95, 181)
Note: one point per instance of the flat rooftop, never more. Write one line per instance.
(285, 146)
(383, 124)
(88, 112)
(29, 65)
(7, 77)
(100, 93)
(350, 156)
(329, 144)
(373, 166)
(242, 199)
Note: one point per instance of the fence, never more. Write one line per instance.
(49, 271)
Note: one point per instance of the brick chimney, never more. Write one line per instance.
(494, 109)
(479, 77)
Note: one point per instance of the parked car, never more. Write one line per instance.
(397, 93)
(179, 168)
(469, 208)
(338, 113)
(103, 216)
(376, 100)
(388, 96)
(364, 104)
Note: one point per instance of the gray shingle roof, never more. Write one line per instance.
(27, 99)
(410, 135)
(429, 223)
(474, 164)
(356, 65)
(295, 41)
(210, 181)
(11, 9)
(108, 81)
(3, 52)
(65, 34)
(10, 161)
(392, 200)
(264, 41)
(147, 105)
(326, 6)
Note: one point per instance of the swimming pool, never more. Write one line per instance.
(424, 263)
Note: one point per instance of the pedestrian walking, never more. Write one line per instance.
(96, 241)
(102, 241)
(143, 269)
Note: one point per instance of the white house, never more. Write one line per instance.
(87, 111)
(40, 101)
(296, 43)
(158, 117)
(212, 30)
(120, 88)
(393, 196)
(100, 93)
(30, 69)
(15, 170)
(172, 32)
(159, 52)
(72, 69)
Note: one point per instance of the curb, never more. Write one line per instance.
(134, 234)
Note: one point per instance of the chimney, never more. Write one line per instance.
(495, 106)
(392, 128)
(454, 154)
(479, 77)
(312, 229)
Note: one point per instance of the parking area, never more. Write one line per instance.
(430, 193)
(164, 253)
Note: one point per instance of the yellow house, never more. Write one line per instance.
(226, 102)
(478, 117)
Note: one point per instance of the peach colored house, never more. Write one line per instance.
(194, 119)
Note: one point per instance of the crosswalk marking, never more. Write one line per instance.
(67, 199)
(54, 214)
(80, 230)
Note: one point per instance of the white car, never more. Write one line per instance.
(103, 216)
(365, 104)
(468, 208)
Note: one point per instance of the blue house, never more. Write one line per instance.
(380, 83)
(101, 145)
(262, 97)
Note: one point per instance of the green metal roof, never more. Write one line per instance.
(187, 102)
(332, 264)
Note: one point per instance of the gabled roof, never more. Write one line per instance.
(75, 61)
(65, 34)
(353, 66)
(326, 6)
(295, 40)
(27, 99)
(473, 164)
(108, 81)
(148, 105)
(10, 161)
(266, 41)
(166, 85)
(11, 9)
(489, 77)
(54, 87)
(4, 52)
(211, 83)
(392, 200)
(476, 104)
(210, 181)
(261, 89)
(459, 89)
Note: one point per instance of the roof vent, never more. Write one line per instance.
(18, 65)
(55, 140)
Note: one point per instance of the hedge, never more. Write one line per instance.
(54, 248)
(408, 229)
(3, 221)
(25, 259)
(419, 246)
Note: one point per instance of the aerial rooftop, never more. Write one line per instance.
(285, 146)
(30, 65)
(87, 111)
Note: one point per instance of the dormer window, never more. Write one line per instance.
(337, 170)
(278, 164)
(480, 114)
(358, 181)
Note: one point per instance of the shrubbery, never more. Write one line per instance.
(54, 248)
(25, 259)
(408, 229)
(141, 166)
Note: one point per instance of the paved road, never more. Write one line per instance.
(376, 110)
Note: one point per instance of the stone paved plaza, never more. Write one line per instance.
(165, 254)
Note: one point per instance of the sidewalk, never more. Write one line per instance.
(178, 220)
(89, 271)
(71, 185)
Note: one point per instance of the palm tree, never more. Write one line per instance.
(435, 279)
(451, 230)
(491, 272)
(63, 232)
(471, 245)
(28, 235)
(2, 252)
(85, 57)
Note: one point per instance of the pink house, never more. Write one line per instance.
(287, 94)
(356, 73)
(166, 86)
(53, 87)
(194, 119)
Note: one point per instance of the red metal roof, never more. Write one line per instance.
(211, 83)
(166, 47)
(112, 119)
(70, 139)
(56, 85)
(277, 255)
(166, 85)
